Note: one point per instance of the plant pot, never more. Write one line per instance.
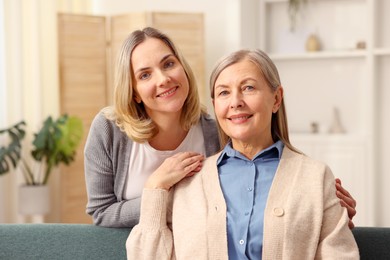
(34, 199)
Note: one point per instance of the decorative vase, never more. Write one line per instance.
(34, 199)
(313, 43)
(336, 127)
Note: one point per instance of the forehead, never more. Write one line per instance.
(151, 48)
(240, 70)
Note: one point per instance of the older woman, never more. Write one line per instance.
(258, 198)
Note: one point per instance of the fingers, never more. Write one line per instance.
(344, 195)
(191, 162)
(197, 169)
(351, 211)
(174, 169)
(184, 155)
(347, 201)
(342, 190)
(350, 224)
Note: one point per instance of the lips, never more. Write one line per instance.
(168, 92)
(239, 118)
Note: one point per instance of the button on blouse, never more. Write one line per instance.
(245, 185)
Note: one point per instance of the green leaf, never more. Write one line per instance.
(57, 142)
(72, 133)
(43, 141)
(11, 153)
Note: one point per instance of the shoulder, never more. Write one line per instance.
(296, 165)
(211, 162)
(207, 121)
(103, 119)
(210, 134)
(103, 127)
(209, 167)
(207, 117)
(292, 157)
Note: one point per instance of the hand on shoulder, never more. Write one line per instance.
(174, 169)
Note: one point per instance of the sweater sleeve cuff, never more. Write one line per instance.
(154, 208)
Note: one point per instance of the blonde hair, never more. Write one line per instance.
(279, 126)
(130, 116)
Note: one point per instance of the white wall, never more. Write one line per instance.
(383, 180)
(13, 105)
(31, 78)
(3, 103)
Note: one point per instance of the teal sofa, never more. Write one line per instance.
(61, 241)
(83, 241)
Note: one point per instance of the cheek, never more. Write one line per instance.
(219, 108)
(262, 104)
(144, 90)
(181, 75)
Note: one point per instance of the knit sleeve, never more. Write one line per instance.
(210, 133)
(152, 238)
(336, 239)
(101, 176)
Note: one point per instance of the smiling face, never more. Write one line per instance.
(244, 104)
(160, 80)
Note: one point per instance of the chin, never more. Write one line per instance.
(173, 109)
(240, 138)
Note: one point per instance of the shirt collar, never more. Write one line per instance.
(274, 151)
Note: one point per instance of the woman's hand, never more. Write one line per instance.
(346, 201)
(174, 169)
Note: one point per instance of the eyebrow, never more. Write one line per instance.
(245, 80)
(161, 61)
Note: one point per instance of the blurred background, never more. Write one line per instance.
(333, 57)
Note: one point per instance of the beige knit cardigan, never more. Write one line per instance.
(303, 218)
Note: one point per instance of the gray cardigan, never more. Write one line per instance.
(106, 162)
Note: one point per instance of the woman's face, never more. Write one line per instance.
(160, 80)
(244, 104)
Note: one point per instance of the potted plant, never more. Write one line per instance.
(55, 143)
(294, 6)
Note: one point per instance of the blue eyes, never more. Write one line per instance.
(223, 93)
(166, 65)
(169, 64)
(144, 76)
(245, 88)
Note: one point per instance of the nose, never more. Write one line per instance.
(162, 78)
(236, 100)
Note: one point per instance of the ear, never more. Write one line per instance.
(278, 94)
(137, 99)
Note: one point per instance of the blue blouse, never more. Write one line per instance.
(245, 185)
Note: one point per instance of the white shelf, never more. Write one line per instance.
(275, 1)
(327, 138)
(382, 52)
(338, 76)
(285, 1)
(320, 55)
